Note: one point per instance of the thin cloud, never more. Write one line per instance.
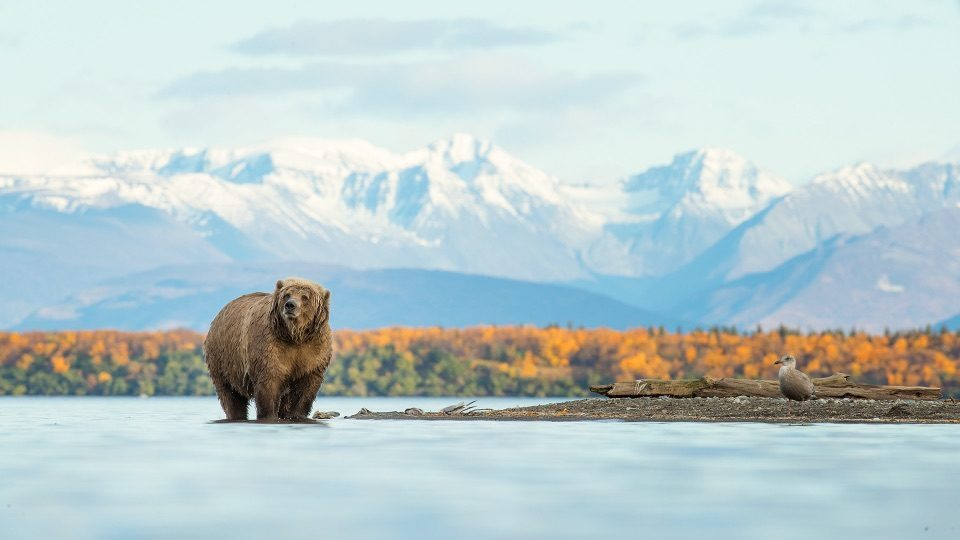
(487, 83)
(360, 37)
(906, 22)
(759, 18)
(479, 82)
(780, 9)
(261, 81)
(9, 42)
(739, 27)
(765, 17)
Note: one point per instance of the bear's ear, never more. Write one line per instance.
(326, 297)
(279, 284)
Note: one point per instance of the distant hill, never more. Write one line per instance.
(190, 296)
(953, 323)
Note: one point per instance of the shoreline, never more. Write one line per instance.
(709, 409)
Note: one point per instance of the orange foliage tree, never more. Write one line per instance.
(482, 360)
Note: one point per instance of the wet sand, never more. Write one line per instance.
(737, 409)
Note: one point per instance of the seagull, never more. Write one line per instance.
(794, 384)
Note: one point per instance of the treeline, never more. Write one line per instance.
(485, 360)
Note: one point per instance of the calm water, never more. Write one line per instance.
(154, 468)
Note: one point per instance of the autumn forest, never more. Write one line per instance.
(478, 361)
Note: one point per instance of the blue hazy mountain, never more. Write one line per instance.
(953, 323)
(190, 296)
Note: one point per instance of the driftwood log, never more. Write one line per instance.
(837, 385)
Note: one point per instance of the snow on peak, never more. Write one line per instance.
(715, 158)
(710, 180)
(467, 156)
(184, 161)
(707, 168)
(249, 164)
(464, 167)
(858, 173)
(860, 180)
(461, 148)
(312, 153)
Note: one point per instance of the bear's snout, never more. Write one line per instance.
(290, 305)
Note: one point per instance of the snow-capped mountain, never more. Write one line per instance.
(850, 201)
(893, 277)
(708, 238)
(461, 204)
(667, 215)
(711, 183)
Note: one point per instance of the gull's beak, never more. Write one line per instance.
(777, 362)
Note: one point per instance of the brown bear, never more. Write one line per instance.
(272, 348)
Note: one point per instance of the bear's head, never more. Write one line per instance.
(301, 309)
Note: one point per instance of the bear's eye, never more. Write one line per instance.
(303, 297)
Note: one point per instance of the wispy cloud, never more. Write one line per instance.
(472, 83)
(759, 18)
(776, 15)
(905, 22)
(358, 37)
(263, 80)
(9, 42)
(780, 9)
(731, 28)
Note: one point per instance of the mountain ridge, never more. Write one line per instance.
(704, 222)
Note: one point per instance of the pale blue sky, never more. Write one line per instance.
(584, 90)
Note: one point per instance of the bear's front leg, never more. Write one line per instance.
(301, 396)
(267, 399)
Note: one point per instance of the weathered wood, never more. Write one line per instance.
(837, 385)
